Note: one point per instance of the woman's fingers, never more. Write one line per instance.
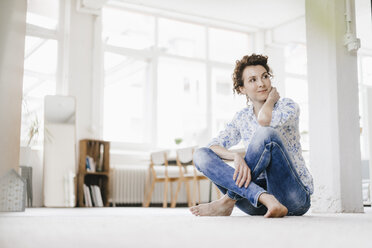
(240, 175)
(236, 172)
(248, 178)
(244, 177)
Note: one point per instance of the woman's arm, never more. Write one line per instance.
(242, 174)
(223, 153)
(265, 113)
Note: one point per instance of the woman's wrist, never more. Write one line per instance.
(237, 156)
(223, 152)
(270, 102)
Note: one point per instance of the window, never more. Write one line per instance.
(181, 101)
(296, 86)
(180, 38)
(366, 64)
(224, 103)
(40, 65)
(43, 13)
(161, 85)
(128, 29)
(125, 97)
(296, 61)
(297, 90)
(227, 46)
(365, 85)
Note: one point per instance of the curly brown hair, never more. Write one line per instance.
(254, 59)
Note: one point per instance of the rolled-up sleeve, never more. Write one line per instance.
(228, 137)
(285, 113)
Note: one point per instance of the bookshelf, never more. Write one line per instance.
(99, 152)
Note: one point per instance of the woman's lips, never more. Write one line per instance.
(262, 91)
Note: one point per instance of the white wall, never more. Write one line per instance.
(81, 68)
(12, 41)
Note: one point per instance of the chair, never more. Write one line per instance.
(158, 172)
(188, 172)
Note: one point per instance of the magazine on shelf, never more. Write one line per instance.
(94, 196)
(85, 196)
(88, 199)
(98, 196)
(90, 164)
(100, 158)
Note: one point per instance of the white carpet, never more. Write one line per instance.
(157, 227)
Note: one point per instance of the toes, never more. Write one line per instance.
(268, 214)
(276, 212)
(194, 210)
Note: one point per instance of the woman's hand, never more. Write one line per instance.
(273, 95)
(265, 113)
(242, 174)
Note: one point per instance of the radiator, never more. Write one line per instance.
(128, 186)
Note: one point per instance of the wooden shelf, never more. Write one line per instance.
(96, 173)
(89, 147)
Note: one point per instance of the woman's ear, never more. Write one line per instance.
(242, 90)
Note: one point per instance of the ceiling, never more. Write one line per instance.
(259, 14)
(284, 15)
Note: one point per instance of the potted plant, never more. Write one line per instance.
(178, 141)
(33, 131)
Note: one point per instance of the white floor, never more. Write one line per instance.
(157, 227)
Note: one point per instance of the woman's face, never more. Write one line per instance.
(257, 83)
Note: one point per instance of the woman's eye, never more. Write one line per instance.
(266, 76)
(252, 80)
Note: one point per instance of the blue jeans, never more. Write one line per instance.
(266, 152)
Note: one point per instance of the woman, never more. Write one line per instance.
(272, 179)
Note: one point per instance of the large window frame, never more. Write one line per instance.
(153, 56)
(61, 36)
(362, 87)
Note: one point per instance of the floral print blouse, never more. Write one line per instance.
(285, 119)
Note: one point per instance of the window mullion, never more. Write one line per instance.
(44, 33)
(63, 35)
(209, 85)
(154, 88)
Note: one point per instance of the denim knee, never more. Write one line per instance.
(201, 157)
(264, 133)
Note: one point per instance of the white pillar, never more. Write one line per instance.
(12, 46)
(85, 67)
(80, 68)
(333, 108)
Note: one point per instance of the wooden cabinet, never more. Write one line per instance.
(99, 151)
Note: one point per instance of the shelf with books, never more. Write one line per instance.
(94, 173)
(97, 173)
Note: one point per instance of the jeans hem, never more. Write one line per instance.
(255, 203)
(233, 196)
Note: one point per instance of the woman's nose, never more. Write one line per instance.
(260, 82)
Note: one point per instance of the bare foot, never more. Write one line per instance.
(274, 207)
(220, 207)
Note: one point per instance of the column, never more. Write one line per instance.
(333, 108)
(12, 46)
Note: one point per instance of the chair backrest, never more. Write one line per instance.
(159, 158)
(184, 155)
